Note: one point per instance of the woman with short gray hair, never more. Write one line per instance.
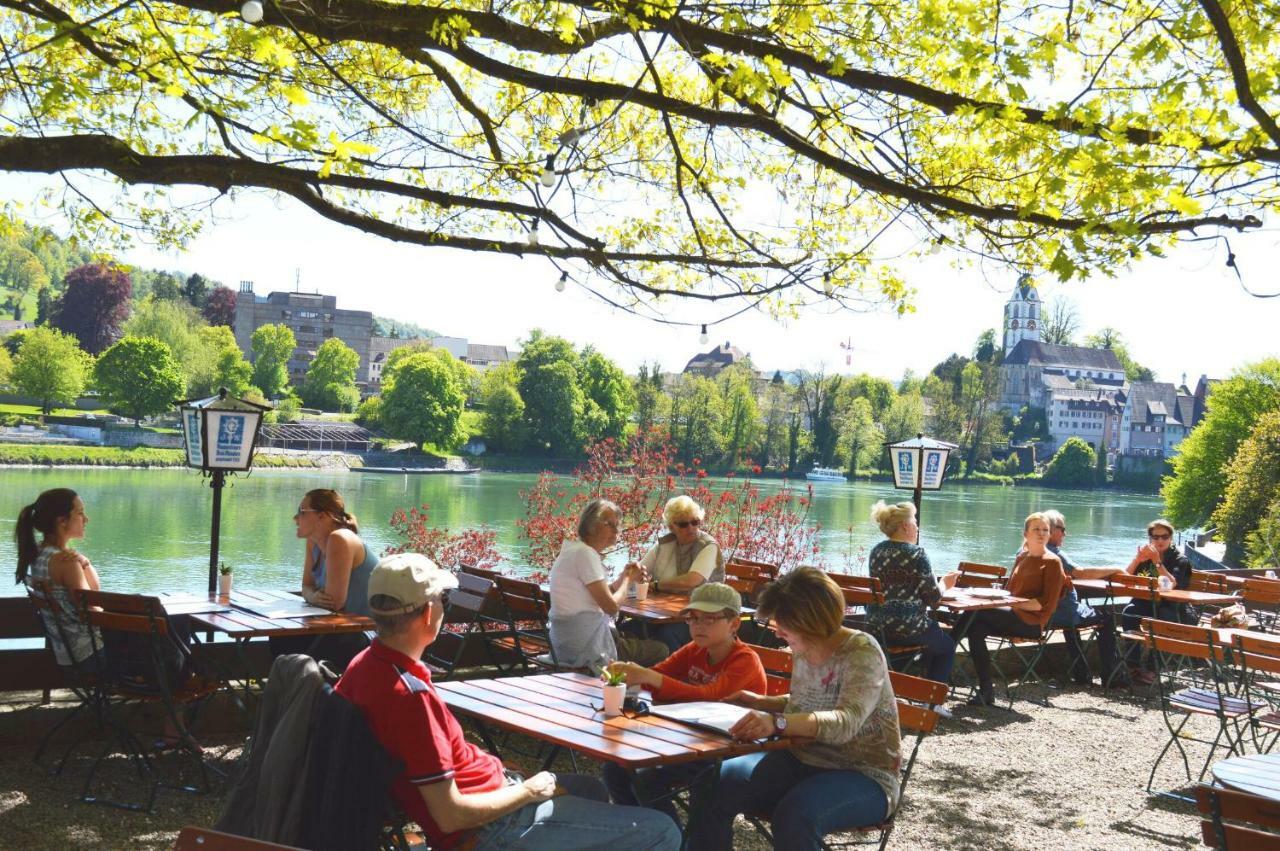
(584, 602)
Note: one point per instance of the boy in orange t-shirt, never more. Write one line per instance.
(711, 667)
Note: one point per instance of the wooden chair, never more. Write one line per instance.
(1214, 583)
(82, 679)
(1259, 661)
(1221, 806)
(192, 838)
(463, 612)
(1262, 600)
(528, 611)
(765, 569)
(977, 575)
(1181, 702)
(864, 595)
(746, 579)
(777, 668)
(916, 698)
(482, 572)
(153, 667)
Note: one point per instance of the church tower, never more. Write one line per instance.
(1022, 314)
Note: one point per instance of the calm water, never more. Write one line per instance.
(149, 529)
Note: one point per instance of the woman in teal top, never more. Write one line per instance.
(335, 574)
(336, 562)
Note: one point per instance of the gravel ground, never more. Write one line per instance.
(1070, 776)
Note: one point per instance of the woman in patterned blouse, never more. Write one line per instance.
(910, 590)
(841, 699)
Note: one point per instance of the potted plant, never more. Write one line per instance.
(615, 691)
(224, 579)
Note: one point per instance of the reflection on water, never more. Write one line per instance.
(149, 529)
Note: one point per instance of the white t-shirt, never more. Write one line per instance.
(577, 566)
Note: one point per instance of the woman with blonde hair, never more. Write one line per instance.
(683, 559)
(845, 776)
(910, 590)
(1037, 575)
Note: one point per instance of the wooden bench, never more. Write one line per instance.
(25, 668)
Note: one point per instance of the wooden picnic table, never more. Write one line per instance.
(1090, 588)
(1257, 774)
(560, 709)
(960, 601)
(661, 608)
(242, 623)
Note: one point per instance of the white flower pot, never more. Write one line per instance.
(613, 697)
(642, 591)
(224, 584)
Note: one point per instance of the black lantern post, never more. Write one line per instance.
(919, 464)
(220, 434)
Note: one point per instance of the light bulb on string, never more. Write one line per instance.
(703, 337)
(251, 11)
(826, 283)
(560, 284)
(533, 233)
(937, 245)
(548, 178)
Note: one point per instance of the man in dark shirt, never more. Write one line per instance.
(459, 794)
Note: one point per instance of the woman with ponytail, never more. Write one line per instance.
(58, 516)
(336, 563)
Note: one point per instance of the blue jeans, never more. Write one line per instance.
(939, 653)
(580, 820)
(804, 803)
(648, 786)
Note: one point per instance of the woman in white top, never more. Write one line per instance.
(584, 602)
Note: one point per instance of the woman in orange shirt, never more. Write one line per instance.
(713, 666)
(1037, 575)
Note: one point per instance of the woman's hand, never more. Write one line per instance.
(1028, 605)
(753, 725)
(948, 580)
(309, 594)
(325, 601)
(635, 674)
(749, 699)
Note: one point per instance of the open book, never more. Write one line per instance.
(706, 714)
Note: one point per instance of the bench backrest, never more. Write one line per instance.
(974, 574)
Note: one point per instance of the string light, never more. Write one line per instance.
(533, 233)
(937, 245)
(548, 178)
(826, 283)
(704, 336)
(560, 284)
(251, 11)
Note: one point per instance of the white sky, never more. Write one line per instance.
(1183, 314)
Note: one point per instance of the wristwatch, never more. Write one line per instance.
(779, 723)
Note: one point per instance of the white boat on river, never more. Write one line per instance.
(825, 474)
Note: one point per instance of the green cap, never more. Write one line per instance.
(714, 597)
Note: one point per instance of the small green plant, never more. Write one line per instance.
(224, 568)
(613, 678)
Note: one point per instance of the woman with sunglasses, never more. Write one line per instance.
(683, 559)
(1159, 559)
(336, 565)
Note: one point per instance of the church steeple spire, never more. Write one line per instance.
(1022, 314)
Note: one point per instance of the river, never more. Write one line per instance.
(149, 529)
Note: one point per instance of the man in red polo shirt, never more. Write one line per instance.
(456, 792)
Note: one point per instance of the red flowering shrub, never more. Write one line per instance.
(474, 547)
(640, 478)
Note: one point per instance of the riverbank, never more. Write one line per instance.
(63, 455)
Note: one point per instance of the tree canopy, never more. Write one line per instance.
(139, 377)
(422, 401)
(272, 346)
(331, 378)
(50, 367)
(94, 305)
(642, 139)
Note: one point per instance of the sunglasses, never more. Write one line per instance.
(1156, 537)
(685, 524)
(302, 511)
